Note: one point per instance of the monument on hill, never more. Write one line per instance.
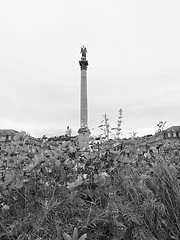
(83, 132)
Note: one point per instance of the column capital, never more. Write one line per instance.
(83, 64)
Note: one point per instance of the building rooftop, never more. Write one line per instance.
(173, 128)
(7, 131)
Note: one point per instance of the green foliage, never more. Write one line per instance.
(75, 236)
(50, 188)
(105, 126)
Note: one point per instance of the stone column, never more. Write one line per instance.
(83, 131)
(84, 107)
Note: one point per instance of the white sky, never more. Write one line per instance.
(134, 63)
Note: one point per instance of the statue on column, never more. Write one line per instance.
(83, 51)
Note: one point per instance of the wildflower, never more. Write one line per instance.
(4, 206)
(85, 176)
(147, 155)
(74, 184)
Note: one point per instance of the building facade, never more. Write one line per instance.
(170, 135)
(6, 136)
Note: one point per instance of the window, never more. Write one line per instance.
(2, 138)
(174, 134)
(169, 134)
(9, 138)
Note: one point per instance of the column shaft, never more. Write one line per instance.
(84, 112)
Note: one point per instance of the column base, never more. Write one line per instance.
(83, 137)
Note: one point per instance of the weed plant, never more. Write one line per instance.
(51, 189)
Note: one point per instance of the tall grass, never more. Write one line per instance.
(138, 200)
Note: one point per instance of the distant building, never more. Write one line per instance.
(170, 135)
(7, 135)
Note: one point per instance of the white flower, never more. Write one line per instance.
(5, 206)
(84, 176)
(76, 183)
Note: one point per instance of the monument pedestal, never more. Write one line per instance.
(83, 137)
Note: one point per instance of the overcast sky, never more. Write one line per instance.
(134, 64)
